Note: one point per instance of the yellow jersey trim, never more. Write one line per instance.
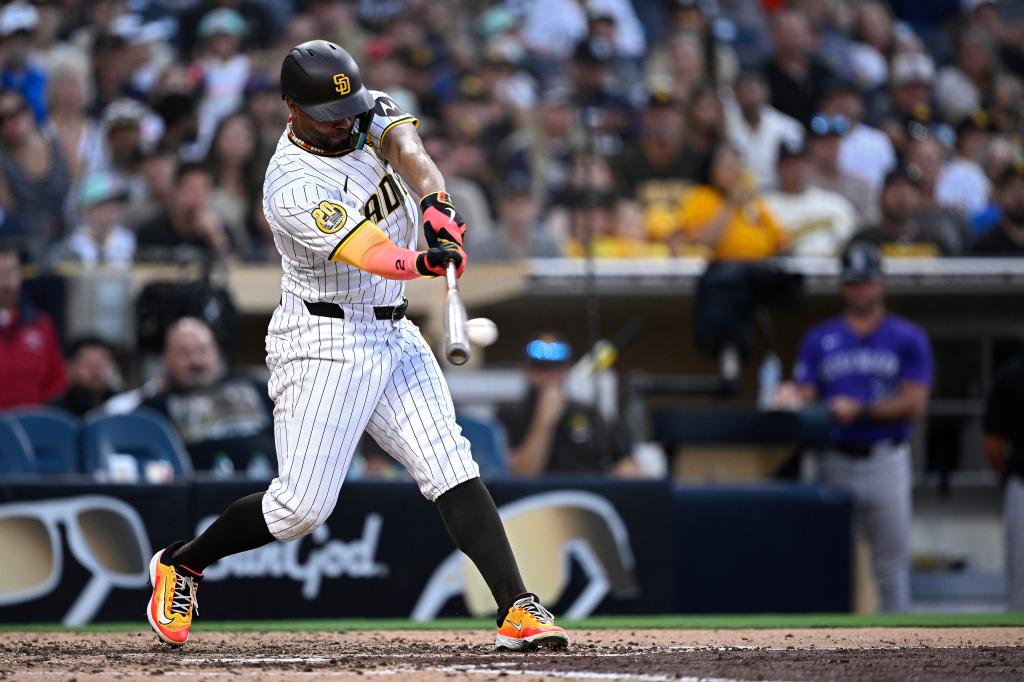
(409, 119)
(346, 238)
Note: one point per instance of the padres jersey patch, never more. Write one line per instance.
(329, 216)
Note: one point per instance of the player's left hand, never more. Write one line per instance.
(441, 220)
(432, 262)
(846, 410)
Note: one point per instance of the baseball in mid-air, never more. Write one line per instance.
(481, 331)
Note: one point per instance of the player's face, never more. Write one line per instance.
(863, 297)
(329, 135)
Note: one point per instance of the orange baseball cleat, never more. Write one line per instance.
(174, 598)
(528, 625)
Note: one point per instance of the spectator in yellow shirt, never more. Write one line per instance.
(725, 215)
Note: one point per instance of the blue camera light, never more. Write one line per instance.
(541, 350)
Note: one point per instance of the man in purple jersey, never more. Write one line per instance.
(874, 371)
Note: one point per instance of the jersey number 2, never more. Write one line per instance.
(387, 199)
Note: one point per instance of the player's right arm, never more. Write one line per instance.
(318, 221)
(368, 248)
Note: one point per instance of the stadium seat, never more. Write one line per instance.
(16, 456)
(53, 434)
(144, 434)
(490, 448)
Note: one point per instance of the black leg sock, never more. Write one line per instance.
(239, 528)
(472, 520)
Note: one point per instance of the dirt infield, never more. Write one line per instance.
(899, 654)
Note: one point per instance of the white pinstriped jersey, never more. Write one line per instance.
(332, 378)
(313, 203)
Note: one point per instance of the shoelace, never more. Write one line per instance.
(536, 610)
(186, 594)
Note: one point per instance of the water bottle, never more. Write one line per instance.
(222, 467)
(768, 379)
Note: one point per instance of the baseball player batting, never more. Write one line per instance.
(342, 356)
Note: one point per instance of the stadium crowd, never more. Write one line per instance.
(139, 130)
(734, 129)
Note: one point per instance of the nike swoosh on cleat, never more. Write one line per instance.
(517, 626)
(162, 618)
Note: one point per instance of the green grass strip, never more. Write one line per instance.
(668, 621)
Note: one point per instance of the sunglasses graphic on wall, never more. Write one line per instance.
(105, 536)
(546, 531)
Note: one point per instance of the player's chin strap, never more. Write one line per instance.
(362, 128)
(359, 133)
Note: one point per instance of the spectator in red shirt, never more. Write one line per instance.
(31, 362)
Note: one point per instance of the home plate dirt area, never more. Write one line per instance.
(899, 654)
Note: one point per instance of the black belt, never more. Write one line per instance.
(383, 312)
(864, 450)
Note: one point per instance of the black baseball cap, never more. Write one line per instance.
(861, 262)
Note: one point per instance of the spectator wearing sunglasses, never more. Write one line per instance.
(825, 137)
(550, 434)
(865, 152)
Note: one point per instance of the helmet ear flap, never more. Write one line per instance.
(362, 128)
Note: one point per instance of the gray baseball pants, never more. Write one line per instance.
(880, 485)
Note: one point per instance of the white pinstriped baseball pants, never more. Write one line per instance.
(330, 380)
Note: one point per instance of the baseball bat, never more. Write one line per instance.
(456, 343)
